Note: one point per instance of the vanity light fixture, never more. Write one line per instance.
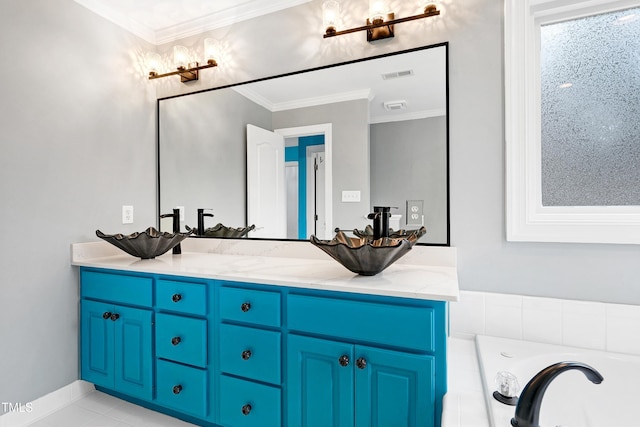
(380, 24)
(188, 71)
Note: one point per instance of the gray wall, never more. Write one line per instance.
(350, 155)
(473, 29)
(408, 162)
(77, 139)
(77, 127)
(203, 161)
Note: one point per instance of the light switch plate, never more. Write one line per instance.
(415, 212)
(352, 196)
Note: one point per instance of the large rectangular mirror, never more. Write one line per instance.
(313, 151)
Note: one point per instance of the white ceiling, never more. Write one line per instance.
(424, 91)
(163, 21)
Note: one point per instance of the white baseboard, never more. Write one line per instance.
(24, 413)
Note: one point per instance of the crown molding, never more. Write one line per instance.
(302, 103)
(223, 18)
(416, 115)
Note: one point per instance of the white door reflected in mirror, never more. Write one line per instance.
(266, 191)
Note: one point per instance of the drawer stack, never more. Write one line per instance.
(250, 357)
(181, 346)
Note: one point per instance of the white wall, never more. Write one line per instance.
(77, 126)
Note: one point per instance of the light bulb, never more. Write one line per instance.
(426, 6)
(152, 62)
(180, 56)
(378, 10)
(210, 50)
(330, 16)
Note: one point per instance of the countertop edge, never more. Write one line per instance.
(411, 281)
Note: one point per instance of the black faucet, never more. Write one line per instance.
(176, 227)
(380, 217)
(201, 216)
(528, 406)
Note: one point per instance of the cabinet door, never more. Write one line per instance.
(320, 388)
(96, 343)
(394, 389)
(133, 352)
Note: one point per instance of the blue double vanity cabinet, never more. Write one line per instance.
(243, 340)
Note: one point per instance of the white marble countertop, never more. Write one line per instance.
(292, 264)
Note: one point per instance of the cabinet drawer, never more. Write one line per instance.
(250, 306)
(182, 297)
(183, 339)
(182, 388)
(250, 353)
(119, 288)
(247, 404)
(387, 324)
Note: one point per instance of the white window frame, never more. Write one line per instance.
(526, 219)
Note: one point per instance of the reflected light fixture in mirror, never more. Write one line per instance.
(188, 71)
(380, 24)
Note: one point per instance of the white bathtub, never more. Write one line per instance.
(571, 400)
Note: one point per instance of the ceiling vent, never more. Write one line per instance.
(397, 74)
(395, 105)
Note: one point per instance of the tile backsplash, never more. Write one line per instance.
(593, 325)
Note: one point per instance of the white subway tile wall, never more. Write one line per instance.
(593, 325)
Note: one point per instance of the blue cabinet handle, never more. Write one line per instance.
(115, 316)
(106, 315)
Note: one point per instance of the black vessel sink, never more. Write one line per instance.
(393, 234)
(223, 231)
(364, 255)
(146, 245)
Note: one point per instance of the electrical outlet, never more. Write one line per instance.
(181, 212)
(127, 214)
(415, 212)
(351, 196)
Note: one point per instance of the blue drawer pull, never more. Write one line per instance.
(175, 340)
(176, 297)
(246, 409)
(177, 389)
(246, 355)
(245, 306)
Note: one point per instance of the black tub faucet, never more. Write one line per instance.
(528, 406)
(176, 227)
(201, 216)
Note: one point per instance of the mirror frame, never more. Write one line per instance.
(416, 49)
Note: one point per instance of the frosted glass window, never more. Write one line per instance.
(590, 88)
